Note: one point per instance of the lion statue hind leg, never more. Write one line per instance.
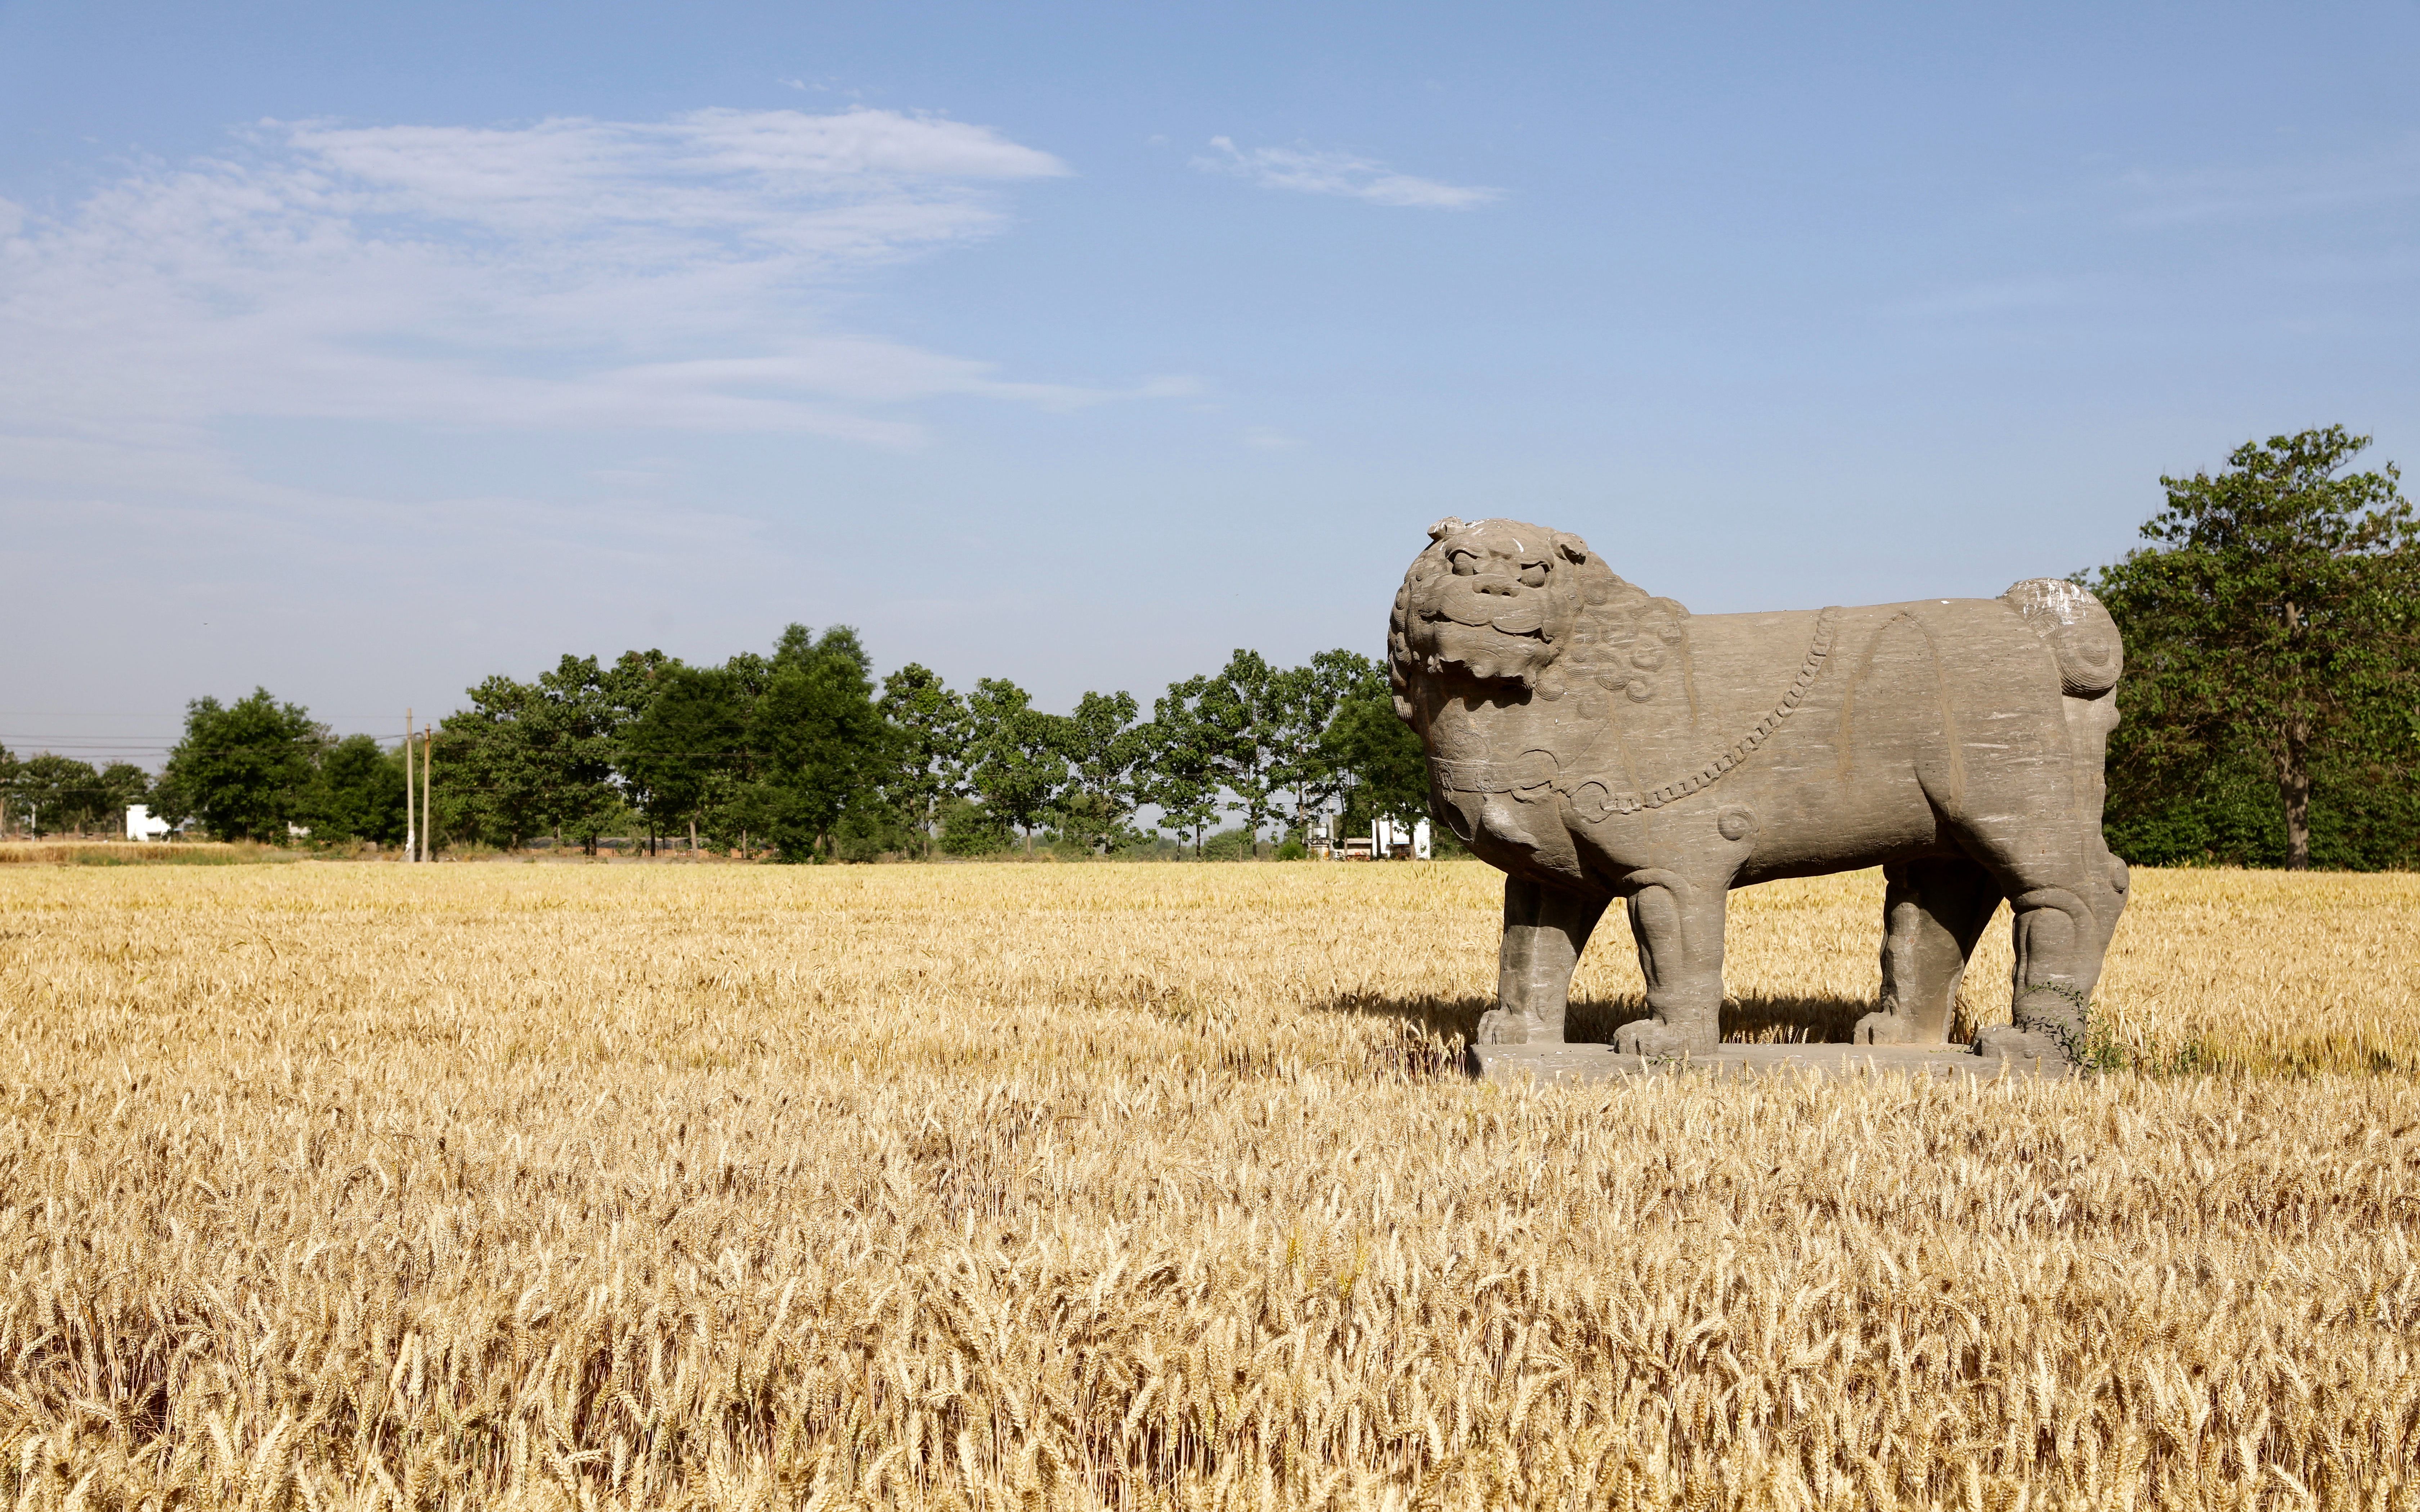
(1933, 912)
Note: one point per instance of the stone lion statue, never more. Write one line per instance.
(1596, 742)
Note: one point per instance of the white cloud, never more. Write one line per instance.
(1338, 173)
(568, 274)
(2264, 190)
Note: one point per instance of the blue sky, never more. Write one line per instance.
(362, 351)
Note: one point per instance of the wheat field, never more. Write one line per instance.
(1012, 1187)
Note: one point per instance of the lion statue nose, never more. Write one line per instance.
(1502, 584)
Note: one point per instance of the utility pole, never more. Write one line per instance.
(410, 828)
(428, 815)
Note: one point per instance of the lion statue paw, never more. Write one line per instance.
(1499, 1026)
(2012, 1045)
(1656, 1041)
(1884, 1028)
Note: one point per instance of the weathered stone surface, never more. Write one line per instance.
(1598, 743)
(1552, 1064)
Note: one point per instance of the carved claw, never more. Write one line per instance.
(2011, 1045)
(1498, 1026)
(1645, 1036)
(1884, 1028)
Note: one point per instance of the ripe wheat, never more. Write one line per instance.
(366, 1186)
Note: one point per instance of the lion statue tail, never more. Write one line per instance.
(2079, 631)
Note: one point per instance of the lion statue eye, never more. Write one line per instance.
(1534, 575)
(1466, 563)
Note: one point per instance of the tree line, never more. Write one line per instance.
(2270, 716)
(802, 754)
(254, 769)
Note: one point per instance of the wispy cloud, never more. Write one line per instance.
(2265, 191)
(573, 272)
(1313, 172)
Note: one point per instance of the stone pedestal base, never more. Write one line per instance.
(1551, 1063)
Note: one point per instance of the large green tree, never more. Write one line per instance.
(356, 793)
(1384, 771)
(1179, 765)
(1245, 710)
(622, 695)
(1102, 745)
(818, 744)
(534, 758)
(122, 786)
(245, 768)
(928, 744)
(1307, 753)
(687, 749)
(1017, 760)
(2276, 616)
(54, 795)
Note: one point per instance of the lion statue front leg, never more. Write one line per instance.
(1545, 929)
(1678, 925)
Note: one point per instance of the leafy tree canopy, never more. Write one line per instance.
(1019, 755)
(1102, 746)
(930, 733)
(2274, 616)
(819, 742)
(242, 769)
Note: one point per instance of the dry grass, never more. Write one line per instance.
(73, 851)
(483, 1186)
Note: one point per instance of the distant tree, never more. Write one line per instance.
(577, 717)
(243, 768)
(528, 758)
(818, 741)
(928, 741)
(1178, 769)
(685, 751)
(356, 793)
(1017, 754)
(57, 795)
(2278, 614)
(123, 784)
(1376, 762)
(496, 778)
(1305, 753)
(1102, 746)
(872, 828)
(11, 815)
(623, 692)
(968, 829)
(1245, 711)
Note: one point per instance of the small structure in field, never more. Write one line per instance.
(1391, 839)
(142, 825)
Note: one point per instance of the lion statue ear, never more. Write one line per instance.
(1446, 527)
(1575, 551)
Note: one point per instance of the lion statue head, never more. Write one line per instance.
(1499, 604)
